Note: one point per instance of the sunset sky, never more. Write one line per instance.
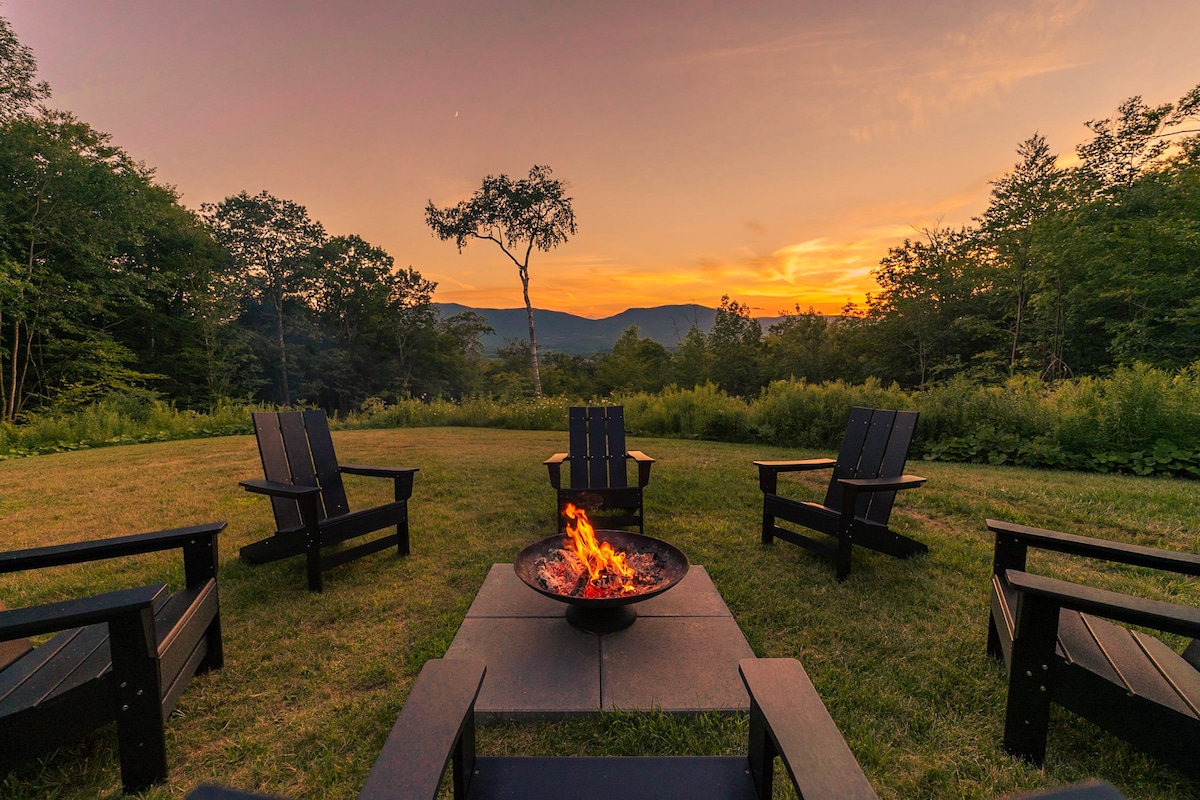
(770, 151)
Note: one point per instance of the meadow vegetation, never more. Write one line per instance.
(1139, 420)
(312, 682)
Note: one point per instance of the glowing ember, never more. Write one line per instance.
(586, 567)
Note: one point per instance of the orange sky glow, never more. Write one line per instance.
(769, 151)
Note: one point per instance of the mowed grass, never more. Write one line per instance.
(312, 683)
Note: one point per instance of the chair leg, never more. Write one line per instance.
(768, 525)
(214, 656)
(1027, 715)
(141, 740)
(762, 753)
(844, 547)
(402, 543)
(312, 558)
(994, 648)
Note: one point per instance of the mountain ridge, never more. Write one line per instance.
(562, 332)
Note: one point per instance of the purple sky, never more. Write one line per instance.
(770, 151)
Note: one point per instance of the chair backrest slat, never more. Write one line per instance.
(857, 428)
(616, 447)
(275, 466)
(333, 491)
(578, 445)
(893, 464)
(597, 452)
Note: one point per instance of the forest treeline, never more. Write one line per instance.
(1077, 267)
(111, 289)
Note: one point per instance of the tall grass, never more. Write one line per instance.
(1138, 420)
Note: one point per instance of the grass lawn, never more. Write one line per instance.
(312, 683)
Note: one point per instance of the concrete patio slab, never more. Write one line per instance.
(680, 656)
(675, 664)
(535, 666)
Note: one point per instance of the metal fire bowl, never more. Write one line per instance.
(604, 614)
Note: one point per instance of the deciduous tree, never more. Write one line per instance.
(274, 247)
(519, 216)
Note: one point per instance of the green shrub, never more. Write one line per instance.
(1139, 420)
(703, 412)
(800, 414)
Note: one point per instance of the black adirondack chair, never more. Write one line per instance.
(123, 656)
(436, 728)
(868, 472)
(598, 457)
(1060, 647)
(312, 514)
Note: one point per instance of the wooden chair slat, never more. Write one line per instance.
(295, 445)
(329, 476)
(275, 466)
(578, 443)
(1077, 644)
(615, 428)
(1138, 674)
(48, 668)
(857, 428)
(880, 507)
(597, 449)
(1182, 677)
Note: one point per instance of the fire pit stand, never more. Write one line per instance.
(604, 614)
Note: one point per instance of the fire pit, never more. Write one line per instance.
(600, 574)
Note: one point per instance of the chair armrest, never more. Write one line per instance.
(403, 476)
(276, 489)
(79, 552)
(768, 471)
(1125, 608)
(788, 719)
(859, 485)
(377, 472)
(50, 617)
(795, 466)
(436, 723)
(554, 467)
(643, 464)
(1136, 555)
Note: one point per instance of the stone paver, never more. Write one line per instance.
(680, 656)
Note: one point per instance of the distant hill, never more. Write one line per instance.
(567, 333)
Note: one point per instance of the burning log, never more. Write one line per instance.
(585, 567)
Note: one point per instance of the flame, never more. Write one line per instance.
(605, 566)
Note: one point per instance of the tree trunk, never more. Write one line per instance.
(3, 391)
(1012, 362)
(285, 395)
(533, 351)
(10, 410)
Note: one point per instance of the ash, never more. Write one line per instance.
(562, 572)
